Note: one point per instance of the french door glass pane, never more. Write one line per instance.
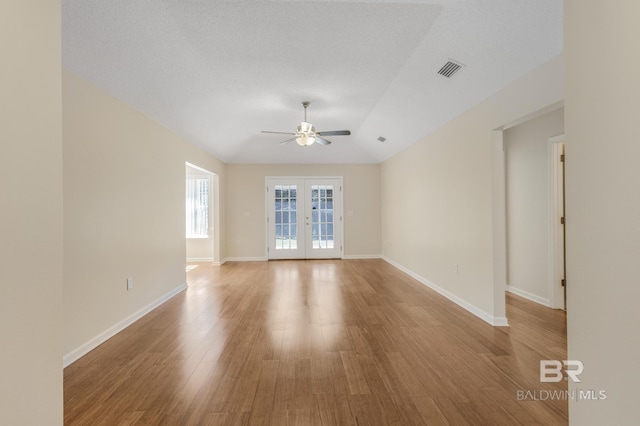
(286, 215)
(322, 216)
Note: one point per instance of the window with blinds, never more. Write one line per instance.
(197, 207)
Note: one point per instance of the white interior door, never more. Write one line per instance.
(563, 234)
(557, 249)
(304, 218)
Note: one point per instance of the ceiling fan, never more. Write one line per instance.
(307, 135)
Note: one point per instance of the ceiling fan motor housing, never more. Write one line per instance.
(306, 128)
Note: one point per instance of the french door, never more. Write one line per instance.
(304, 218)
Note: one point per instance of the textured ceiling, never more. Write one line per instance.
(218, 72)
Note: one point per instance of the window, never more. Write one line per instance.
(197, 207)
(286, 197)
(322, 216)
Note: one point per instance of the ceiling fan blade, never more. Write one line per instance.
(278, 133)
(287, 141)
(334, 133)
(322, 141)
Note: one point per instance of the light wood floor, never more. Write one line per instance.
(353, 342)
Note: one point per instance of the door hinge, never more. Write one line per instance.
(562, 158)
(564, 282)
(562, 220)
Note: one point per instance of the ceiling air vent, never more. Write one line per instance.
(450, 68)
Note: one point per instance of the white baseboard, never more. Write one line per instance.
(263, 259)
(529, 296)
(246, 259)
(84, 349)
(485, 316)
(362, 256)
(199, 259)
(206, 259)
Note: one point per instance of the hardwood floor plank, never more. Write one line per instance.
(429, 412)
(354, 374)
(263, 402)
(341, 390)
(328, 342)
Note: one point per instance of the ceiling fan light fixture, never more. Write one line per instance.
(305, 140)
(306, 134)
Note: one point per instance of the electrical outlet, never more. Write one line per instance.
(129, 284)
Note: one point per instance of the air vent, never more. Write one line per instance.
(450, 68)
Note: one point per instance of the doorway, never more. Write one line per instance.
(524, 220)
(201, 215)
(304, 218)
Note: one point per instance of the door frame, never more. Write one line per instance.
(303, 178)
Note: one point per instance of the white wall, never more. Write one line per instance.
(438, 194)
(124, 196)
(603, 206)
(246, 205)
(527, 176)
(30, 213)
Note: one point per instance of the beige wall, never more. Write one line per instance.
(438, 194)
(30, 214)
(603, 206)
(246, 205)
(124, 193)
(527, 173)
